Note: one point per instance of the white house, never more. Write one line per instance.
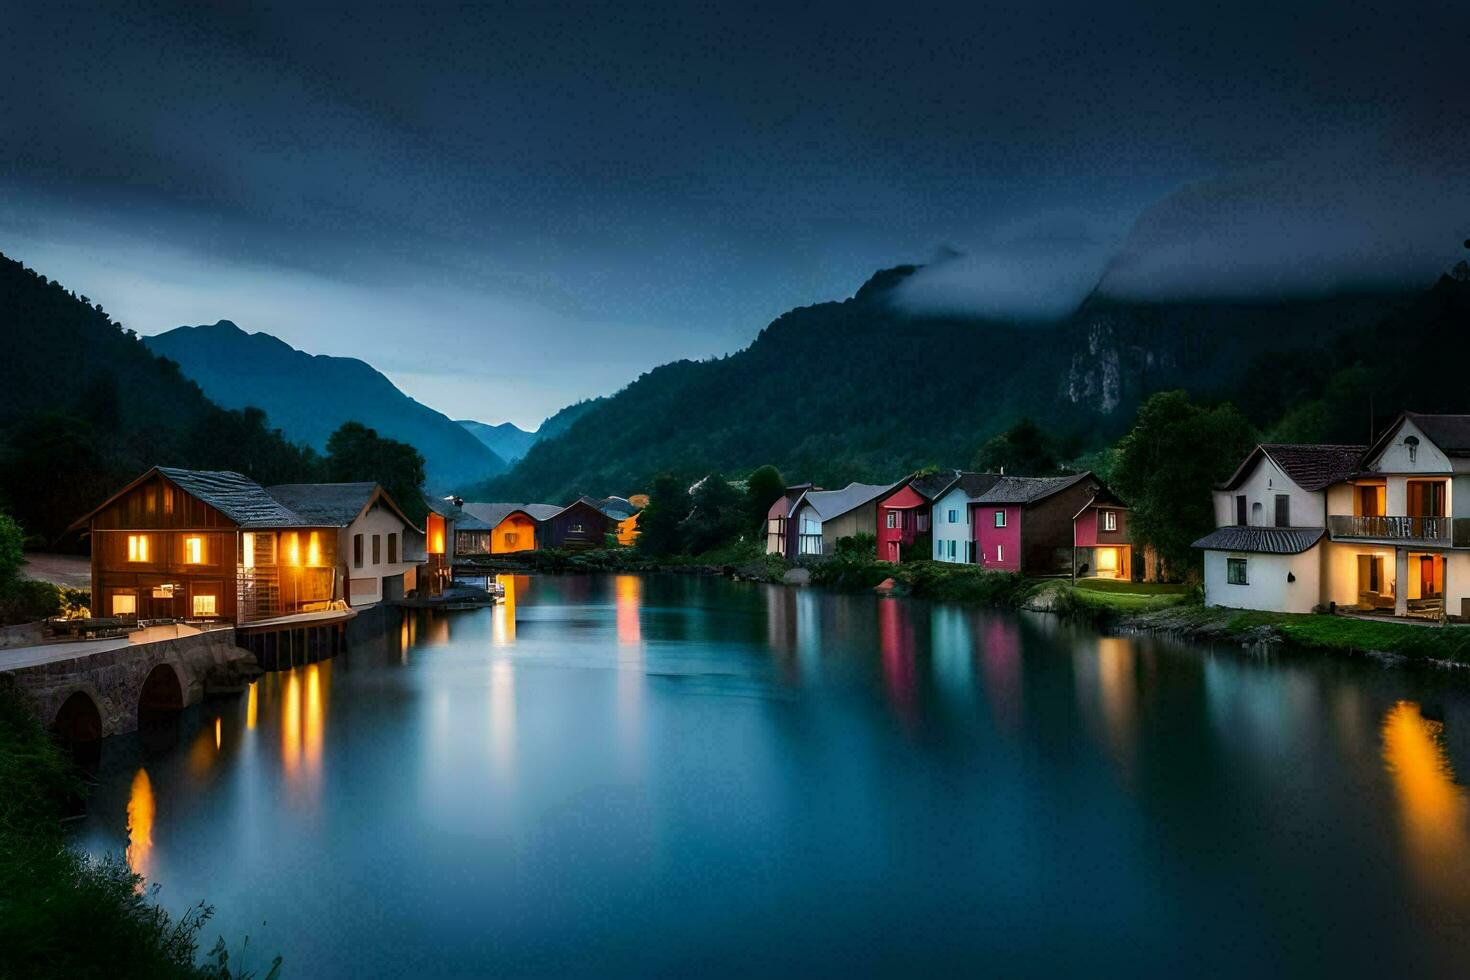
(1382, 528)
(379, 547)
(954, 538)
(823, 516)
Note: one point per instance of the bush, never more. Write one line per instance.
(27, 601)
(858, 546)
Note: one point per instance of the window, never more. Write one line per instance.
(206, 605)
(247, 550)
(124, 604)
(393, 548)
(1258, 514)
(1000, 518)
(954, 516)
(1235, 571)
(575, 529)
(953, 547)
(357, 551)
(892, 519)
(1110, 520)
(1240, 510)
(511, 539)
(193, 550)
(377, 549)
(137, 547)
(1283, 510)
(1000, 552)
(969, 552)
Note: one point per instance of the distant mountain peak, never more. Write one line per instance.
(884, 280)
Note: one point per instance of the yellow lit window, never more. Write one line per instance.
(124, 604)
(204, 605)
(137, 547)
(314, 549)
(194, 550)
(293, 548)
(247, 550)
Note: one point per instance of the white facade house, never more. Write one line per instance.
(380, 548)
(1379, 529)
(951, 517)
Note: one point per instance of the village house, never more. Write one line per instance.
(821, 517)
(903, 518)
(1381, 529)
(951, 518)
(379, 547)
(579, 526)
(780, 530)
(624, 515)
(1025, 524)
(1101, 547)
(450, 532)
(209, 546)
(511, 527)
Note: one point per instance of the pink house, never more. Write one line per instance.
(1024, 524)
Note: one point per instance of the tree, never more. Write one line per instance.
(658, 524)
(763, 488)
(1023, 450)
(52, 471)
(1167, 467)
(716, 515)
(356, 453)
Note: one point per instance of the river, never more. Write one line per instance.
(616, 775)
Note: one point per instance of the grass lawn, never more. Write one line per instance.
(1131, 588)
(1342, 633)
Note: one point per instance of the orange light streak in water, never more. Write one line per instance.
(313, 723)
(628, 592)
(1432, 806)
(252, 705)
(140, 823)
(503, 616)
(291, 725)
(218, 730)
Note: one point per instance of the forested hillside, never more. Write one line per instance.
(84, 406)
(863, 389)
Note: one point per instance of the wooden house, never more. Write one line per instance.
(380, 549)
(578, 526)
(208, 546)
(822, 517)
(1101, 547)
(510, 527)
(1025, 524)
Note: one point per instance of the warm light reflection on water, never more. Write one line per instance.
(627, 590)
(314, 721)
(1117, 694)
(628, 600)
(503, 616)
(140, 824)
(252, 705)
(1432, 806)
(291, 724)
(503, 718)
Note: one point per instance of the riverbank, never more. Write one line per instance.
(63, 914)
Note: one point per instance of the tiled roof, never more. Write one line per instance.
(931, 485)
(492, 514)
(833, 503)
(1262, 540)
(238, 497)
(1313, 467)
(1026, 489)
(328, 504)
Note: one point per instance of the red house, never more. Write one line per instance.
(1024, 524)
(1100, 543)
(903, 514)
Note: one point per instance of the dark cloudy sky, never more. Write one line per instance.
(507, 207)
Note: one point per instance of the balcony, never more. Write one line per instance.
(1441, 531)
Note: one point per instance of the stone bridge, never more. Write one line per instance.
(90, 689)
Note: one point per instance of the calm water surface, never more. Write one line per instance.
(624, 776)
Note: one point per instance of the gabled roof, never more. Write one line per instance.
(1451, 433)
(931, 485)
(334, 504)
(463, 519)
(618, 508)
(587, 502)
(238, 497)
(1026, 489)
(834, 503)
(491, 515)
(1102, 498)
(1262, 540)
(1310, 466)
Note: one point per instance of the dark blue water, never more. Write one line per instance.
(619, 776)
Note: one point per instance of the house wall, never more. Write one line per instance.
(579, 527)
(988, 537)
(365, 581)
(1046, 530)
(959, 531)
(859, 520)
(776, 536)
(1268, 588)
(1261, 487)
(516, 533)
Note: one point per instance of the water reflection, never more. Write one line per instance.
(1107, 687)
(252, 705)
(1432, 806)
(503, 616)
(896, 639)
(1000, 651)
(503, 718)
(140, 824)
(628, 593)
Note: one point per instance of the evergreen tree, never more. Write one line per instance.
(1022, 450)
(658, 525)
(356, 453)
(763, 488)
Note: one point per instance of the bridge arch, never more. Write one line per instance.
(78, 720)
(161, 695)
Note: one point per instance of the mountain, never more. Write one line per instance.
(511, 442)
(506, 440)
(309, 396)
(85, 406)
(864, 389)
